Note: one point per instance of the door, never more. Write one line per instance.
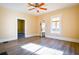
(21, 28)
(43, 24)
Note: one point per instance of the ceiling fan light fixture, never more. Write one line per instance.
(37, 6)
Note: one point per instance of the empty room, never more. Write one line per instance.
(39, 28)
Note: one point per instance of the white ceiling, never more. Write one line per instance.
(23, 7)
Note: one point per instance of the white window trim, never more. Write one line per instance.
(60, 24)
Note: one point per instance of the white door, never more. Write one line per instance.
(43, 29)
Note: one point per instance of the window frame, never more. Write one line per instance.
(60, 24)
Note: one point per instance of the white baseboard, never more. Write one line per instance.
(28, 36)
(2, 39)
(7, 39)
(64, 38)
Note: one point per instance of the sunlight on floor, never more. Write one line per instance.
(31, 47)
(49, 51)
(41, 50)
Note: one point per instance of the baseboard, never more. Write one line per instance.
(64, 38)
(7, 39)
(28, 36)
(14, 38)
(5, 42)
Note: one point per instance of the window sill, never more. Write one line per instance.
(56, 33)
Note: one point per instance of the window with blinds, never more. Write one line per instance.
(56, 24)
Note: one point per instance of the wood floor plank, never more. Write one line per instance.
(14, 47)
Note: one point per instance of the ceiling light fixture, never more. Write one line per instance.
(37, 6)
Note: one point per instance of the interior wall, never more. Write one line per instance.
(78, 20)
(32, 26)
(70, 22)
(8, 24)
(38, 25)
(77, 7)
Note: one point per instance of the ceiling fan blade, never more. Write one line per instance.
(41, 4)
(30, 4)
(43, 8)
(31, 9)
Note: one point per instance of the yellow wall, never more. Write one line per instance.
(78, 20)
(30, 23)
(70, 21)
(32, 28)
(8, 24)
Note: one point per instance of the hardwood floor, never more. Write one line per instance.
(14, 47)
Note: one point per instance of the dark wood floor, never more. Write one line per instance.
(14, 47)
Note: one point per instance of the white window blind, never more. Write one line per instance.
(56, 24)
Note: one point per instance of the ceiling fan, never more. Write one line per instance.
(37, 6)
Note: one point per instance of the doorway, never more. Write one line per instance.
(21, 28)
(43, 24)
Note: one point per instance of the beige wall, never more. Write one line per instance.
(32, 25)
(78, 20)
(70, 21)
(8, 24)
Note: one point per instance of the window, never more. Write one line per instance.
(56, 24)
